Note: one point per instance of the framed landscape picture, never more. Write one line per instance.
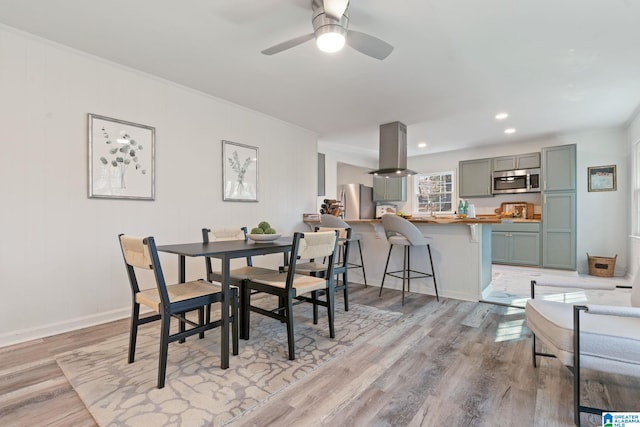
(239, 172)
(602, 178)
(121, 159)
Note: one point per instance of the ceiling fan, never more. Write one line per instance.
(330, 21)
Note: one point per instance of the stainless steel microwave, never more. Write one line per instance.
(516, 181)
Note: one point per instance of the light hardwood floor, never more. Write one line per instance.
(450, 363)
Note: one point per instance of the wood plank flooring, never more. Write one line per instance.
(442, 363)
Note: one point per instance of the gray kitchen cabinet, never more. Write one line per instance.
(516, 243)
(559, 230)
(559, 168)
(559, 207)
(474, 178)
(521, 161)
(389, 189)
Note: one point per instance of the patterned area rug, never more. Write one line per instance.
(197, 391)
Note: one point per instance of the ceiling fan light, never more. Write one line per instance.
(330, 42)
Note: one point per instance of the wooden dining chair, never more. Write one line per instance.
(169, 301)
(237, 275)
(328, 220)
(289, 285)
(340, 268)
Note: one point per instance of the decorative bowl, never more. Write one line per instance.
(264, 237)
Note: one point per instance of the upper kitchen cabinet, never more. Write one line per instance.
(559, 168)
(391, 189)
(474, 178)
(522, 161)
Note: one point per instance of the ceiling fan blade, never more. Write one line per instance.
(288, 44)
(369, 45)
(335, 8)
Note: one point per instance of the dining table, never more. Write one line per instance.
(225, 251)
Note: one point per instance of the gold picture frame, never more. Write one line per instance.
(602, 178)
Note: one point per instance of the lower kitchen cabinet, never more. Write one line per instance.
(516, 243)
(559, 231)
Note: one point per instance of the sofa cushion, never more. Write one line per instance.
(608, 343)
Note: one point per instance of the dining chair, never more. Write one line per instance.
(239, 274)
(340, 268)
(169, 301)
(289, 285)
(587, 336)
(328, 220)
(401, 232)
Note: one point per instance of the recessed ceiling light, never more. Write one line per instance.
(509, 131)
(501, 116)
(422, 145)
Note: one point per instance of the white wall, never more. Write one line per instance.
(333, 157)
(60, 262)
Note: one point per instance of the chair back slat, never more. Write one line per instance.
(223, 234)
(141, 252)
(135, 252)
(342, 232)
(226, 234)
(316, 245)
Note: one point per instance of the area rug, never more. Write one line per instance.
(197, 391)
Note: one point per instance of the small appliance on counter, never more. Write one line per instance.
(385, 208)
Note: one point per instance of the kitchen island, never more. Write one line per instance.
(461, 250)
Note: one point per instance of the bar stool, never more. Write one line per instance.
(399, 231)
(333, 221)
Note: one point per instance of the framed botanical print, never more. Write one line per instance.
(121, 159)
(239, 172)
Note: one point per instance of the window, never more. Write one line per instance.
(434, 193)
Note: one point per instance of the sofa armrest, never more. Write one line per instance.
(571, 284)
(613, 310)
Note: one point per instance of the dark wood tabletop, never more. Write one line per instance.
(225, 250)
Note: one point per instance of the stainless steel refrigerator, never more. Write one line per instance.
(358, 201)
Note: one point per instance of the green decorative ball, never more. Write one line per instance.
(257, 230)
(264, 225)
(270, 230)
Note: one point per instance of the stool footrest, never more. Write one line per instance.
(420, 274)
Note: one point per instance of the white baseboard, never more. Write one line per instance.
(23, 335)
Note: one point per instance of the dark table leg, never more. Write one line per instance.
(226, 299)
(182, 276)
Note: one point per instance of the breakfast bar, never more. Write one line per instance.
(461, 250)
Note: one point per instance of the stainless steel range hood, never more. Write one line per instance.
(393, 150)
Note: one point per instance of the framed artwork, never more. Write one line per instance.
(239, 172)
(602, 178)
(121, 159)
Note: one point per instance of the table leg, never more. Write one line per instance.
(182, 276)
(226, 299)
